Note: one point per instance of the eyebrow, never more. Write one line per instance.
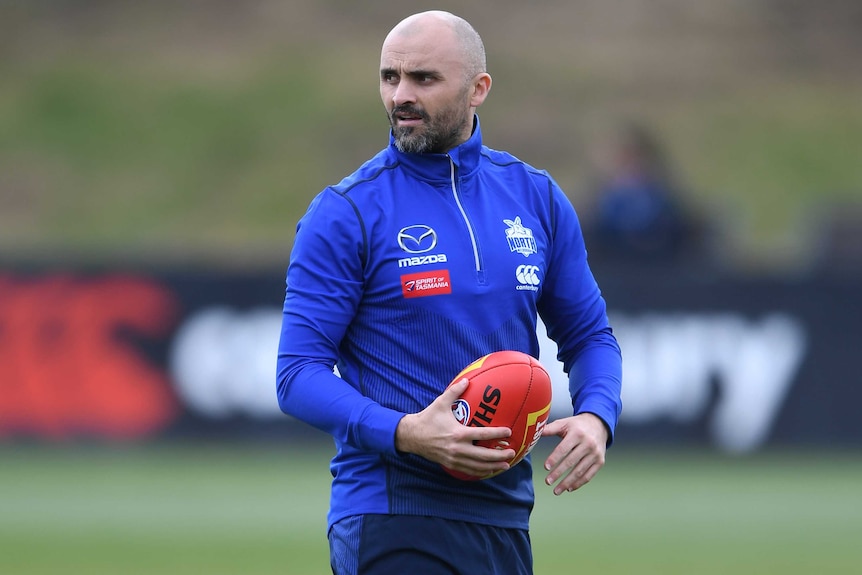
(412, 73)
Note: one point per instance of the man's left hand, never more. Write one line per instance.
(580, 453)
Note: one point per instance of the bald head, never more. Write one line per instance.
(432, 79)
(467, 44)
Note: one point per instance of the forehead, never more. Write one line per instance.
(425, 49)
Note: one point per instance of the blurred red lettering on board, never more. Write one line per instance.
(68, 367)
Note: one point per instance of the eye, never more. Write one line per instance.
(389, 77)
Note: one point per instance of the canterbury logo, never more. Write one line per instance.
(417, 239)
(527, 276)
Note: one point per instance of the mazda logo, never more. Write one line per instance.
(417, 239)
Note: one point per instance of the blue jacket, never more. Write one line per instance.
(405, 272)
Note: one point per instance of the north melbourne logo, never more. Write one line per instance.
(520, 238)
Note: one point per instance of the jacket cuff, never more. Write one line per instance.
(376, 428)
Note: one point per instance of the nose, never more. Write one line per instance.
(403, 94)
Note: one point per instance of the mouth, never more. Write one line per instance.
(407, 118)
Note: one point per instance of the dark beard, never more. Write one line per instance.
(439, 135)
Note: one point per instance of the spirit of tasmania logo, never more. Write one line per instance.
(421, 284)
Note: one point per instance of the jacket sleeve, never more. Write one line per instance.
(324, 288)
(573, 309)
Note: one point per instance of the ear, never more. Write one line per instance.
(481, 87)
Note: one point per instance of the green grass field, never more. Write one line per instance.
(214, 510)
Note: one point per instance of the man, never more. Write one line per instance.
(437, 208)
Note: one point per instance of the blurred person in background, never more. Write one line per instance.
(438, 209)
(638, 214)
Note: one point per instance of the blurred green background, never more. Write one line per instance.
(200, 130)
(195, 133)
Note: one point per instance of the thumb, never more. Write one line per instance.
(552, 428)
(454, 391)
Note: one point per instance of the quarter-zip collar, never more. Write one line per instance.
(436, 168)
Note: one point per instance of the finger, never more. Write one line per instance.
(576, 469)
(481, 461)
(567, 456)
(485, 453)
(562, 451)
(486, 433)
(576, 479)
(564, 460)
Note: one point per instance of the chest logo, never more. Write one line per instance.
(417, 239)
(425, 284)
(528, 277)
(520, 238)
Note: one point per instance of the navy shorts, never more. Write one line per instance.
(389, 544)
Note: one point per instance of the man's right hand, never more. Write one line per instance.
(436, 435)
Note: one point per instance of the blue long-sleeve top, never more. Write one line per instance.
(405, 272)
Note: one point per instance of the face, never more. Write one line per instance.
(428, 100)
